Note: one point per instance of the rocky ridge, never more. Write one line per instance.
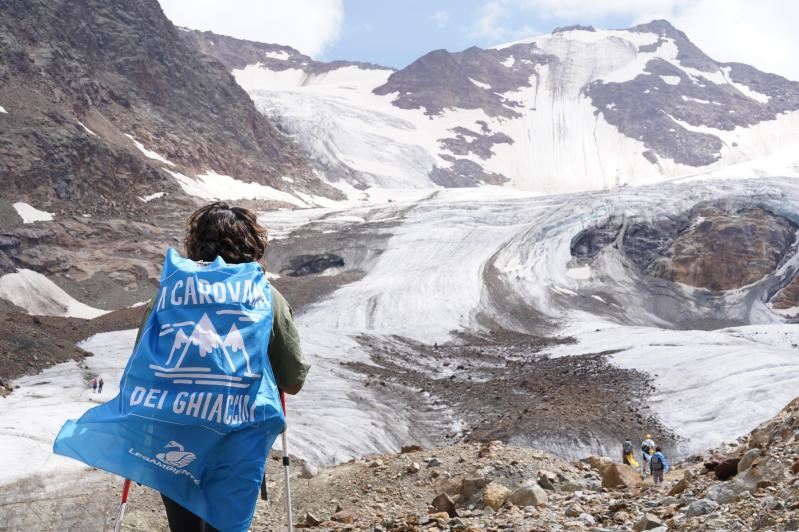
(750, 484)
(82, 84)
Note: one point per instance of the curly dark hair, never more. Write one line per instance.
(219, 230)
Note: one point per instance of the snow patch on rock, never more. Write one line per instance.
(40, 296)
(213, 186)
(151, 197)
(29, 214)
(149, 153)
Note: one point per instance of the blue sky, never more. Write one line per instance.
(395, 33)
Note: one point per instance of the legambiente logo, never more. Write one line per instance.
(173, 459)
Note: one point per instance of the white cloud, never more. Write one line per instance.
(441, 18)
(495, 22)
(761, 33)
(307, 25)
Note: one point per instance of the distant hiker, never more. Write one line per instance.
(94, 385)
(647, 449)
(215, 347)
(627, 455)
(659, 465)
(100, 385)
(626, 451)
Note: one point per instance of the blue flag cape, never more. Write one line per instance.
(198, 408)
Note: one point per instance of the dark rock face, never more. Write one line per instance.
(238, 53)
(649, 108)
(652, 110)
(440, 80)
(463, 173)
(120, 68)
(787, 297)
(726, 251)
(709, 247)
(302, 265)
(467, 141)
(588, 243)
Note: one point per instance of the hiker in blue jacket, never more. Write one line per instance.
(658, 465)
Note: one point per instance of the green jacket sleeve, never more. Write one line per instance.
(285, 353)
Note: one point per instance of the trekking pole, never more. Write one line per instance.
(286, 464)
(121, 512)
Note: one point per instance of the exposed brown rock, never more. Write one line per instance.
(495, 495)
(727, 468)
(410, 449)
(788, 297)
(726, 250)
(443, 503)
(620, 476)
(347, 516)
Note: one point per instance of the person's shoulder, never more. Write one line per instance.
(280, 305)
(277, 298)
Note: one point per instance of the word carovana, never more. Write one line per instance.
(200, 292)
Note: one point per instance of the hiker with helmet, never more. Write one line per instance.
(658, 465)
(199, 404)
(647, 449)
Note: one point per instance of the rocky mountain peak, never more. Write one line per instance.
(93, 79)
(573, 27)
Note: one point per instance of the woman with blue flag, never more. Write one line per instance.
(198, 408)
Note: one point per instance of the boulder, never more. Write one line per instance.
(346, 516)
(727, 468)
(577, 485)
(495, 495)
(795, 467)
(414, 468)
(621, 517)
(547, 479)
(748, 458)
(573, 510)
(620, 476)
(529, 494)
(312, 520)
(410, 449)
(444, 503)
(701, 507)
(648, 522)
(309, 470)
(725, 492)
(764, 471)
(472, 486)
(599, 463)
(679, 487)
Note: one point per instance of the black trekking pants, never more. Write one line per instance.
(182, 520)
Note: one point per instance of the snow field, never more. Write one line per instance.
(429, 282)
(712, 386)
(352, 132)
(30, 214)
(31, 417)
(40, 296)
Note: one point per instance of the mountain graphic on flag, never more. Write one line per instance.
(192, 363)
